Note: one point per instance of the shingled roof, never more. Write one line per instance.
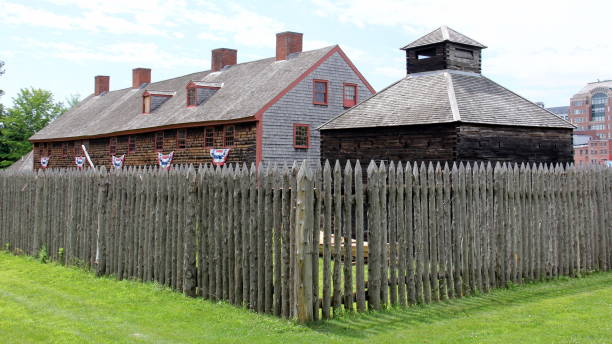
(443, 34)
(247, 88)
(445, 96)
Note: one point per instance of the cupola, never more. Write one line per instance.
(443, 48)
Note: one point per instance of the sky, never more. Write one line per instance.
(543, 50)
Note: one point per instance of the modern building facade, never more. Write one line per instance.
(263, 111)
(446, 110)
(590, 111)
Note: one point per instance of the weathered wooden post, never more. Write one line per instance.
(303, 245)
(103, 182)
(189, 253)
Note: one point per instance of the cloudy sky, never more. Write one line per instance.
(543, 50)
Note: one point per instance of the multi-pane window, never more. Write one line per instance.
(228, 136)
(578, 111)
(131, 144)
(209, 137)
(320, 92)
(350, 95)
(159, 141)
(77, 148)
(181, 138)
(192, 96)
(301, 135)
(112, 145)
(578, 102)
(598, 106)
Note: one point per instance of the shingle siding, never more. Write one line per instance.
(297, 107)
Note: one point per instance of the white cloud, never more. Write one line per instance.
(135, 53)
(539, 44)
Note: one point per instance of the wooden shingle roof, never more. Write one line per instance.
(443, 34)
(246, 88)
(445, 96)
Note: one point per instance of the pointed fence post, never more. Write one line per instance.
(102, 221)
(303, 245)
(189, 252)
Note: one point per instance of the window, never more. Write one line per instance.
(228, 136)
(209, 137)
(78, 151)
(301, 135)
(64, 149)
(425, 53)
(578, 103)
(181, 138)
(159, 141)
(192, 96)
(146, 104)
(131, 144)
(465, 53)
(598, 107)
(320, 90)
(578, 112)
(350, 95)
(112, 145)
(578, 120)
(41, 149)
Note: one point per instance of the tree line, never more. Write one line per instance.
(32, 109)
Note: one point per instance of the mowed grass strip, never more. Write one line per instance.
(48, 303)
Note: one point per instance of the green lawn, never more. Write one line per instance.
(47, 303)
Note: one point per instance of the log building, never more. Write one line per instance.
(263, 111)
(446, 110)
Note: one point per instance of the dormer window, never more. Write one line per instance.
(146, 104)
(151, 100)
(192, 96)
(199, 92)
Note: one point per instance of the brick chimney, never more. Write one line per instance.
(223, 57)
(102, 83)
(288, 43)
(140, 76)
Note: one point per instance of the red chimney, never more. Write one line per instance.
(288, 43)
(140, 76)
(102, 83)
(223, 57)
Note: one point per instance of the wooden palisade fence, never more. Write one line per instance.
(312, 242)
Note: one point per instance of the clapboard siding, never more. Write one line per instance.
(297, 107)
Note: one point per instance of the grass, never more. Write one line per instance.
(48, 303)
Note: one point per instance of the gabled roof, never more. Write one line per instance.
(24, 164)
(445, 96)
(443, 34)
(246, 88)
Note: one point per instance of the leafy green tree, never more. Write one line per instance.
(72, 100)
(32, 110)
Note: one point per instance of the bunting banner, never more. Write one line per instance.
(44, 161)
(79, 161)
(118, 161)
(165, 160)
(219, 156)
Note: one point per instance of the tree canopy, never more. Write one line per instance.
(32, 110)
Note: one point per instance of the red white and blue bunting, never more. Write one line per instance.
(79, 161)
(165, 160)
(118, 161)
(44, 161)
(219, 156)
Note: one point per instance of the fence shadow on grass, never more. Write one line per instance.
(361, 325)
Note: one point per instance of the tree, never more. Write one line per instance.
(72, 100)
(32, 110)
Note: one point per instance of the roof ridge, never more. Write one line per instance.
(452, 98)
(445, 35)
